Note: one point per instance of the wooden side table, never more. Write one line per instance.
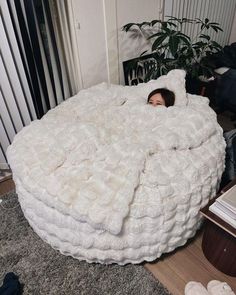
(219, 239)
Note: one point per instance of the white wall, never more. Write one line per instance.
(110, 24)
(134, 11)
(102, 45)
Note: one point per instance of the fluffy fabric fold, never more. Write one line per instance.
(93, 160)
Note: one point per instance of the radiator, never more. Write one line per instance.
(221, 11)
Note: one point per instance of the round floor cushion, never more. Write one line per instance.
(106, 177)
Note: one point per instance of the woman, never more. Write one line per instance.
(161, 96)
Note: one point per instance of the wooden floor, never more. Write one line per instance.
(174, 270)
(6, 186)
(186, 264)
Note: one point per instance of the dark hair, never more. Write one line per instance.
(167, 95)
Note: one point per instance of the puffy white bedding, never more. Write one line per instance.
(105, 177)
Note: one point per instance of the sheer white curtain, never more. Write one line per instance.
(64, 26)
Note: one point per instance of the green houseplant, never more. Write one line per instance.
(172, 48)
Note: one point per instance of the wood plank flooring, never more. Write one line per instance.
(176, 269)
(6, 186)
(185, 264)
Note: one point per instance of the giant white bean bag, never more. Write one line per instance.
(105, 177)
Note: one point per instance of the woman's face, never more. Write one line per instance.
(157, 100)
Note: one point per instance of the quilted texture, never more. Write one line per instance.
(105, 177)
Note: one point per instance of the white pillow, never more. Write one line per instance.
(173, 81)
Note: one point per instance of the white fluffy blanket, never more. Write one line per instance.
(92, 154)
(107, 178)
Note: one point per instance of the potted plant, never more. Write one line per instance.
(172, 48)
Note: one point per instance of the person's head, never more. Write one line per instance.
(161, 96)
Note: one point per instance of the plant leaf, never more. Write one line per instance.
(158, 41)
(216, 28)
(171, 24)
(155, 35)
(163, 25)
(153, 22)
(143, 52)
(199, 44)
(184, 39)
(203, 36)
(128, 26)
(183, 35)
(143, 24)
(198, 20)
(173, 43)
(203, 26)
(172, 18)
(212, 23)
(216, 45)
